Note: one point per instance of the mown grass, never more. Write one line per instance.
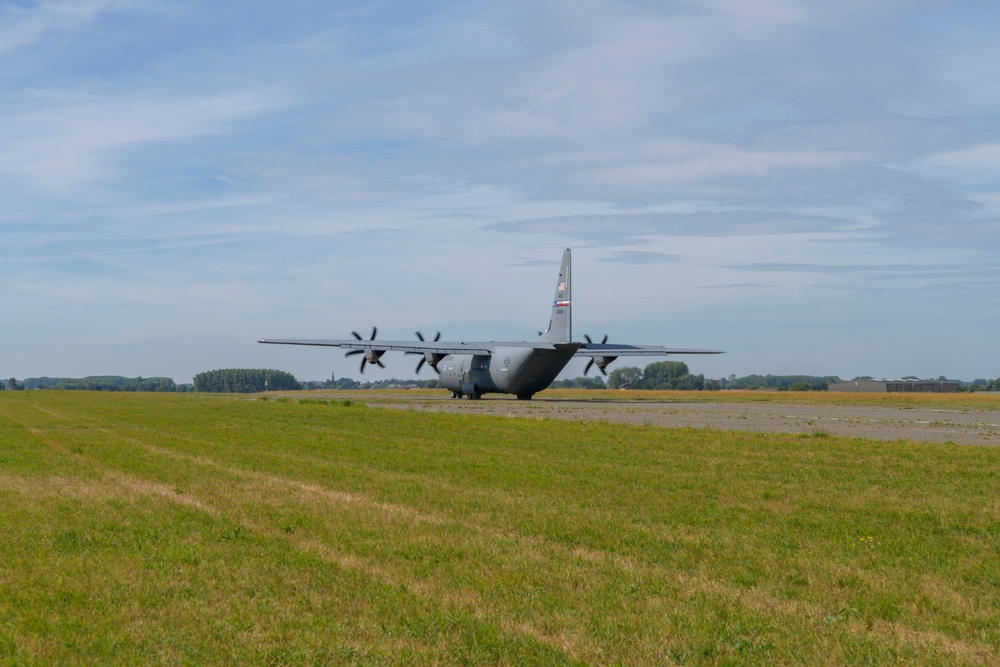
(976, 401)
(971, 401)
(181, 529)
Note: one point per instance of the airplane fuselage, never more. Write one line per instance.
(509, 370)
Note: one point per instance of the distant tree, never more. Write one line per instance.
(579, 383)
(346, 383)
(658, 375)
(781, 382)
(13, 385)
(629, 376)
(670, 375)
(244, 381)
(662, 374)
(103, 383)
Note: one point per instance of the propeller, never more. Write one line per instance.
(429, 358)
(601, 362)
(371, 355)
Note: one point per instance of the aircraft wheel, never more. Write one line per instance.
(524, 397)
(456, 394)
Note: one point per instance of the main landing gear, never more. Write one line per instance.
(473, 397)
(476, 396)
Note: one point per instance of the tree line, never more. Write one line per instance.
(245, 381)
(979, 384)
(786, 382)
(98, 383)
(658, 375)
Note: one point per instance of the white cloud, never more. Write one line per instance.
(974, 165)
(63, 147)
(22, 26)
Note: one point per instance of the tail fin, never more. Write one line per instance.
(561, 322)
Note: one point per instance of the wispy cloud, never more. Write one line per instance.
(24, 25)
(640, 257)
(61, 147)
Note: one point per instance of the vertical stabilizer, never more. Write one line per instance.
(561, 322)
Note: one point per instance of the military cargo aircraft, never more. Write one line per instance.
(522, 368)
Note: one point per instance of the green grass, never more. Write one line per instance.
(966, 401)
(192, 529)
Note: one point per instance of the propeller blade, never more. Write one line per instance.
(605, 339)
(364, 360)
(374, 331)
(603, 372)
(353, 352)
(380, 364)
(437, 337)
(589, 364)
(357, 335)
(420, 364)
(587, 337)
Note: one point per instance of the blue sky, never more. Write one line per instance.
(811, 186)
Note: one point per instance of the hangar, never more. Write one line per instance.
(893, 386)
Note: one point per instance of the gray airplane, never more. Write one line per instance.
(523, 368)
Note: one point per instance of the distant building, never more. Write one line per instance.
(898, 386)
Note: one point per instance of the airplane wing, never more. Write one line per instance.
(487, 347)
(620, 350)
(442, 347)
(436, 347)
(603, 353)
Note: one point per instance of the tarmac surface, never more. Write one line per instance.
(904, 422)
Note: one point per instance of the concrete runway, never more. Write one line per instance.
(905, 422)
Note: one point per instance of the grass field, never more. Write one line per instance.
(972, 401)
(194, 529)
(983, 401)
